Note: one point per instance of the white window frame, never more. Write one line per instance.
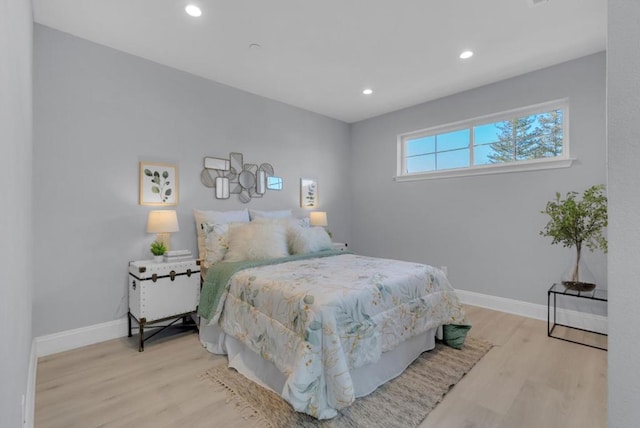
(562, 161)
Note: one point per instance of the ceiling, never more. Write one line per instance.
(320, 55)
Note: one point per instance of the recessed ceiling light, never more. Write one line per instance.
(466, 55)
(193, 10)
(367, 91)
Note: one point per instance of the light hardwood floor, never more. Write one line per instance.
(526, 380)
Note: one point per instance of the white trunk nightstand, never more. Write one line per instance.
(162, 292)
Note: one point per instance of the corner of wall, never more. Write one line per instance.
(30, 399)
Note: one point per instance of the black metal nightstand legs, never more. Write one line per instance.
(187, 322)
(129, 320)
(141, 335)
(551, 325)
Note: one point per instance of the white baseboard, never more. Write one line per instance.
(582, 320)
(30, 398)
(79, 337)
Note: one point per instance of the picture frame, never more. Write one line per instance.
(158, 184)
(309, 193)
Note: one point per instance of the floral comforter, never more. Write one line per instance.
(316, 319)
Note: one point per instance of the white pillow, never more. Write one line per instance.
(286, 221)
(216, 242)
(303, 240)
(254, 214)
(215, 217)
(256, 241)
(303, 222)
(290, 223)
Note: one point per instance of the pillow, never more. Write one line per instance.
(256, 241)
(290, 223)
(303, 222)
(303, 240)
(285, 221)
(254, 214)
(216, 242)
(215, 217)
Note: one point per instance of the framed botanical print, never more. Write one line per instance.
(308, 193)
(158, 184)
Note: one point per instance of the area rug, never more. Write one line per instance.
(403, 402)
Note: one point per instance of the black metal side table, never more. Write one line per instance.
(559, 290)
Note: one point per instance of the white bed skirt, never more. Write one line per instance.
(365, 379)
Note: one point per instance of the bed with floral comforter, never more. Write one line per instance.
(316, 318)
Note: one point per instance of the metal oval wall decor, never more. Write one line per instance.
(233, 176)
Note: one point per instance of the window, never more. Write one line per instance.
(534, 137)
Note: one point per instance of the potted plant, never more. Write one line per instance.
(576, 223)
(158, 249)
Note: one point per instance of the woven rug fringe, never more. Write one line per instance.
(404, 401)
(247, 411)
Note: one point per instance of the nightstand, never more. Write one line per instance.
(557, 290)
(342, 246)
(163, 292)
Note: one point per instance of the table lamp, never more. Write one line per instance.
(319, 218)
(163, 222)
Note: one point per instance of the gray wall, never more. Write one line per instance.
(98, 112)
(483, 228)
(16, 246)
(623, 139)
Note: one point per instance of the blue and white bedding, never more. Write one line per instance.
(318, 318)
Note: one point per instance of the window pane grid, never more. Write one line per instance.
(514, 139)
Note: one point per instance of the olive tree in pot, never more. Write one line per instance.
(577, 223)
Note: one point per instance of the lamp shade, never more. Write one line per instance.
(162, 221)
(318, 218)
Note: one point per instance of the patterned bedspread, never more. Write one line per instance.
(317, 318)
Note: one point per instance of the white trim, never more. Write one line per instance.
(30, 399)
(79, 337)
(532, 165)
(562, 103)
(583, 320)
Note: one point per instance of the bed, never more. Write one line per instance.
(321, 328)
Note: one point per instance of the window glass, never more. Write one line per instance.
(453, 140)
(502, 138)
(420, 146)
(483, 154)
(486, 133)
(453, 159)
(421, 163)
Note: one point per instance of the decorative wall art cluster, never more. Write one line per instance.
(233, 176)
(158, 184)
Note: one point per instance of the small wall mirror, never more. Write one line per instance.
(261, 182)
(236, 163)
(274, 183)
(246, 179)
(222, 188)
(216, 163)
